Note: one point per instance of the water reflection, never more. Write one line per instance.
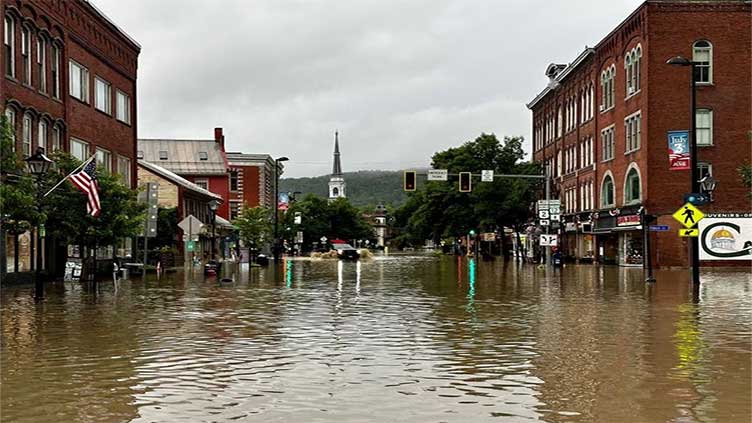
(414, 338)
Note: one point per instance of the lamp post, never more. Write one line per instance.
(707, 186)
(276, 247)
(684, 62)
(213, 206)
(38, 165)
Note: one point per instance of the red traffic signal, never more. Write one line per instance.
(408, 182)
(466, 184)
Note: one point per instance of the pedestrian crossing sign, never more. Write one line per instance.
(694, 232)
(688, 215)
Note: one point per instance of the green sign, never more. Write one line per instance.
(191, 245)
(42, 231)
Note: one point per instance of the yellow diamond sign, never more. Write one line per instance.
(689, 232)
(688, 215)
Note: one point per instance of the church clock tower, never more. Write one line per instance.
(337, 183)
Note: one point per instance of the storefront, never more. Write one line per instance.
(630, 240)
(619, 237)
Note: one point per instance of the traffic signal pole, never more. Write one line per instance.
(548, 199)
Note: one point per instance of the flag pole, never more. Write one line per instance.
(66, 177)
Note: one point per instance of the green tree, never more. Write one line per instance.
(337, 219)
(254, 224)
(745, 171)
(438, 210)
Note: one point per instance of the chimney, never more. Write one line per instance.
(219, 138)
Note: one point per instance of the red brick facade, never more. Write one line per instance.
(658, 102)
(82, 34)
(255, 181)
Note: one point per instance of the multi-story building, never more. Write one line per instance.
(252, 179)
(69, 84)
(600, 127)
(200, 161)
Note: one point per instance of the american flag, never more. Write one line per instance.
(86, 181)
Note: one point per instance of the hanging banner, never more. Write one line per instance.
(678, 150)
(284, 201)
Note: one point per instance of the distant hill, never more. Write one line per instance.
(364, 188)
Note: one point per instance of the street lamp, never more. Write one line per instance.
(684, 62)
(276, 247)
(707, 186)
(38, 165)
(213, 206)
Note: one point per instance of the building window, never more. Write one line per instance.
(124, 170)
(26, 54)
(162, 155)
(102, 95)
(203, 155)
(10, 47)
(11, 115)
(632, 187)
(123, 103)
(55, 70)
(607, 192)
(104, 159)
(632, 69)
(42, 63)
(140, 154)
(607, 88)
(632, 132)
(42, 134)
(234, 209)
(79, 149)
(26, 135)
(79, 81)
(203, 183)
(704, 169)
(702, 55)
(56, 138)
(704, 127)
(607, 143)
(233, 180)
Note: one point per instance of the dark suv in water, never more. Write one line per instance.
(346, 252)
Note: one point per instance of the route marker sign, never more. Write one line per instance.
(438, 175)
(543, 214)
(545, 222)
(548, 240)
(486, 175)
(689, 232)
(688, 215)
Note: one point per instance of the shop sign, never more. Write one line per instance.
(629, 220)
(724, 238)
(678, 150)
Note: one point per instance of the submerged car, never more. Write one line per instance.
(346, 251)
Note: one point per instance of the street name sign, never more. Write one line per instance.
(689, 232)
(688, 215)
(438, 175)
(486, 175)
(658, 228)
(548, 240)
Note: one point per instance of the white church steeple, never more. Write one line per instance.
(337, 183)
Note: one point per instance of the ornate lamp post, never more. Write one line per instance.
(707, 186)
(38, 165)
(213, 206)
(276, 247)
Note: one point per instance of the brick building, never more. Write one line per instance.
(200, 161)
(600, 127)
(251, 181)
(70, 83)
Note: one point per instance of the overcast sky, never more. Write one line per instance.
(400, 80)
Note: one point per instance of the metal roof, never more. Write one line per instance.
(182, 156)
(561, 75)
(176, 179)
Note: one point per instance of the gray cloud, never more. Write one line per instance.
(399, 79)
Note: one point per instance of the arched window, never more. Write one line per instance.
(632, 187)
(26, 135)
(10, 46)
(702, 55)
(636, 64)
(607, 192)
(628, 69)
(42, 131)
(10, 113)
(335, 192)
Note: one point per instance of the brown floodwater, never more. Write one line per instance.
(399, 338)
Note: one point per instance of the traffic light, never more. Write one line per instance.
(465, 182)
(409, 180)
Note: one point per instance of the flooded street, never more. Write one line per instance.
(399, 338)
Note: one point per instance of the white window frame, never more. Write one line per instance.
(709, 49)
(10, 113)
(632, 132)
(166, 155)
(702, 110)
(57, 137)
(123, 111)
(85, 148)
(42, 63)
(10, 46)
(43, 129)
(55, 70)
(26, 134)
(203, 183)
(701, 165)
(124, 170)
(100, 83)
(26, 53)
(607, 144)
(106, 160)
(83, 72)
